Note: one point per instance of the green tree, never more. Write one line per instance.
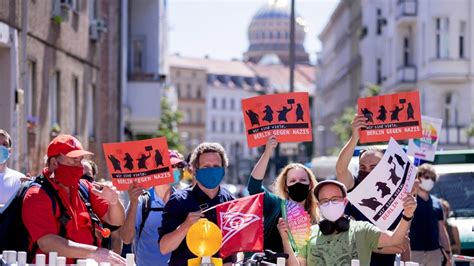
(342, 125)
(169, 126)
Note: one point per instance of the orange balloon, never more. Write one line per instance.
(204, 238)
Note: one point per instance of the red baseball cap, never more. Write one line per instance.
(66, 145)
(175, 157)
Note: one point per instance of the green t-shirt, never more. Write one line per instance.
(339, 249)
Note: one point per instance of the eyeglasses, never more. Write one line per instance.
(333, 200)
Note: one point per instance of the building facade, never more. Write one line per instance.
(269, 34)
(425, 46)
(145, 25)
(339, 76)
(58, 68)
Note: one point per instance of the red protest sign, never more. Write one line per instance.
(146, 162)
(394, 115)
(285, 115)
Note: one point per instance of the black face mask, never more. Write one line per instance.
(363, 174)
(298, 192)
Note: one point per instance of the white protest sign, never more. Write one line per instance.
(380, 195)
(425, 148)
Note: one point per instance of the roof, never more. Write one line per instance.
(213, 66)
(279, 76)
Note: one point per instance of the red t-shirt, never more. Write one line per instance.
(37, 214)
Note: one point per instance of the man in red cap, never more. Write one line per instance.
(62, 222)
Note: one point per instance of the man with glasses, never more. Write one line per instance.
(428, 236)
(368, 160)
(57, 219)
(336, 240)
(145, 214)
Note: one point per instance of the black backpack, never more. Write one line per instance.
(13, 233)
(146, 209)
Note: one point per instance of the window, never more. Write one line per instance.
(190, 116)
(278, 35)
(462, 33)
(198, 92)
(214, 126)
(270, 35)
(232, 126)
(75, 5)
(287, 35)
(91, 110)
(194, 74)
(178, 90)
(139, 54)
(451, 110)
(379, 71)
(54, 86)
(232, 104)
(75, 105)
(242, 127)
(188, 91)
(223, 126)
(214, 103)
(198, 116)
(31, 93)
(223, 103)
(406, 52)
(379, 21)
(442, 37)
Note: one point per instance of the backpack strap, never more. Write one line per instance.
(146, 208)
(85, 197)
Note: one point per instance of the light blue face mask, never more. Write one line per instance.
(176, 176)
(4, 154)
(211, 177)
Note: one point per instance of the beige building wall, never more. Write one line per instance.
(191, 87)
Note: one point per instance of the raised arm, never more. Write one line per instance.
(127, 232)
(388, 238)
(260, 168)
(343, 174)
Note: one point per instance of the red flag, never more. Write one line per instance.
(241, 223)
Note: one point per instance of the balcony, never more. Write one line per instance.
(407, 10)
(407, 74)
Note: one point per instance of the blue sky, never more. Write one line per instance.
(218, 28)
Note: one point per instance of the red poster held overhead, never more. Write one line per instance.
(394, 115)
(146, 162)
(285, 115)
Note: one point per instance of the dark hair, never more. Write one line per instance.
(206, 147)
(370, 149)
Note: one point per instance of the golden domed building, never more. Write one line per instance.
(269, 34)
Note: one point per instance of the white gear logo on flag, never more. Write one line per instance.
(234, 222)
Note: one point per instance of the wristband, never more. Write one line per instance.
(406, 218)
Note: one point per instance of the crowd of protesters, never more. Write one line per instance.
(85, 217)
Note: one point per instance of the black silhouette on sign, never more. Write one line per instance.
(299, 112)
(128, 161)
(395, 112)
(382, 187)
(382, 113)
(410, 112)
(158, 158)
(253, 117)
(284, 111)
(367, 114)
(400, 161)
(393, 175)
(142, 161)
(115, 162)
(372, 203)
(268, 114)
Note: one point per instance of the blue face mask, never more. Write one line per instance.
(176, 176)
(211, 177)
(4, 154)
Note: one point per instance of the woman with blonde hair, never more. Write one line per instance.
(295, 182)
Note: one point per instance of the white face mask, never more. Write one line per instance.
(426, 184)
(332, 211)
